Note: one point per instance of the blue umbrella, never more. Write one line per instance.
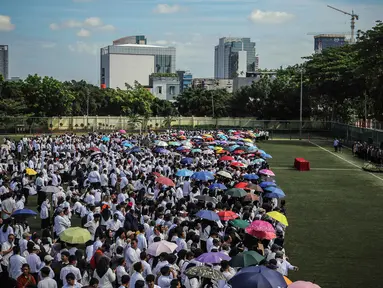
(105, 138)
(257, 277)
(186, 161)
(24, 212)
(184, 173)
(266, 156)
(203, 176)
(251, 177)
(219, 186)
(135, 150)
(208, 215)
(274, 192)
(232, 148)
(181, 148)
(267, 184)
(127, 144)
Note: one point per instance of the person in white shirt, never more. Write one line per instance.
(137, 275)
(15, 263)
(71, 268)
(92, 225)
(120, 271)
(167, 275)
(46, 281)
(132, 254)
(61, 222)
(34, 261)
(7, 249)
(71, 281)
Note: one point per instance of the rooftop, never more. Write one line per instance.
(141, 45)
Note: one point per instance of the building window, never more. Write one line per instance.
(172, 90)
(159, 89)
(103, 72)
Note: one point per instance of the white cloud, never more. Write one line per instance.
(167, 9)
(270, 17)
(84, 48)
(89, 23)
(6, 23)
(83, 33)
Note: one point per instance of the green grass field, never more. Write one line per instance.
(334, 213)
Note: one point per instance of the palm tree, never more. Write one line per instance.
(134, 121)
(167, 122)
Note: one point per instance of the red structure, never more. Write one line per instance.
(301, 164)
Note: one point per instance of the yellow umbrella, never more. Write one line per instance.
(247, 140)
(207, 136)
(279, 217)
(288, 281)
(218, 148)
(30, 172)
(75, 235)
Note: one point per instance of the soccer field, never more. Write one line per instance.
(334, 213)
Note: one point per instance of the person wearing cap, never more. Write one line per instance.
(47, 265)
(46, 281)
(34, 261)
(15, 263)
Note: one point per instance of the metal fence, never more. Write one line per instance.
(277, 128)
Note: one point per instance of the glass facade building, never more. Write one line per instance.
(226, 56)
(325, 41)
(138, 39)
(4, 61)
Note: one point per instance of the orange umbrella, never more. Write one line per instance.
(227, 215)
(288, 281)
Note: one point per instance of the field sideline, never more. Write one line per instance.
(334, 214)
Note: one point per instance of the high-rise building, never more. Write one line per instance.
(138, 39)
(234, 57)
(185, 79)
(4, 61)
(324, 41)
(127, 63)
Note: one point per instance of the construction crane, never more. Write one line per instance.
(353, 18)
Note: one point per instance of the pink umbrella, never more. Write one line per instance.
(181, 132)
(261, 229)
(267, 172)
(122, 131)
(303, 284)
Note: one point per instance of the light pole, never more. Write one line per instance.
(212, 103)
(300, 110)
(87, 109)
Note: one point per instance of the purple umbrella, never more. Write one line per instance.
(212, 257)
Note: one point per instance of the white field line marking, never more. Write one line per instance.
(319, 169)
(345, 160)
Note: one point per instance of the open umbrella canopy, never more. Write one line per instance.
(205, 272)
(24, 212)
(236, 192)
(267, 184)
(156, 248)
(251, 177)
(184, 173)
(206, 198)
(212, 257)
(218, 186)
(274, 192)
(203, 176)
(50, 189)
(303, 284)
(165, 181)
(162, 144)
(247, 258)
(187, 161)
(30, 172)
(239, 223)
(257, 277)
(227, 215)
(208, 215)
(75, 235)
(279, 217)
(224, 174)
(267, 172)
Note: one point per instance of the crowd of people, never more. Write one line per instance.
(368, 152)
(176, 209)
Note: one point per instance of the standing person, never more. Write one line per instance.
(104, 274)
(7, 252)
(15, 263)
(25, 279)
(336, 143)
(34, 262)
(46, 281)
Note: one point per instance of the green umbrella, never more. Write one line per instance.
(246, 258)
(239, 223)
(236, 192)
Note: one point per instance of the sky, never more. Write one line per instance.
(62, 38)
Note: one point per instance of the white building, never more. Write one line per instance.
(127, 63)
(213, 84)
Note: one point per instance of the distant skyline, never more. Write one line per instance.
(62, 38)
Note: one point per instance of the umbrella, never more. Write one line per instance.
(196, 151)
(162, 144)
(203, 176)
(247, 258)
(303, 284)
(206, 198)
(30, 172)
(174, 143)
(274, 192)
(227, 215)
(105, 138)
(239, 223)
(50, 189)
(156, 248)
(288, 281)
(24, 212)
(261, 230)
(251, 177)
(219, 186)
(267, 183)
(96, 153)
(237, 164)
(226, 158)
(122, 131)
(267, 172)
(186, 161)
(212, 257)
(165, 181)
(208, 215)
(251, 197)
(75, 235)
(94, 149)
(236, 192)
(224, 174)
(205, 272)
(279, 217)
(257, 277)
(184, 173)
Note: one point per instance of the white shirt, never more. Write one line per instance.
(135, 277)
(70, 269)
(47, 282)
(34, 262)
(15, 264)
(6, 246)
(61, 223)
(120, 271)
(132, 256)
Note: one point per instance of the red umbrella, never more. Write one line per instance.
(157, 174)
(261, 230)
(241, 185)
(227, 215)
(237, 164)
(226, 158)
(94, 149)
(165, 181)
(239, 152)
